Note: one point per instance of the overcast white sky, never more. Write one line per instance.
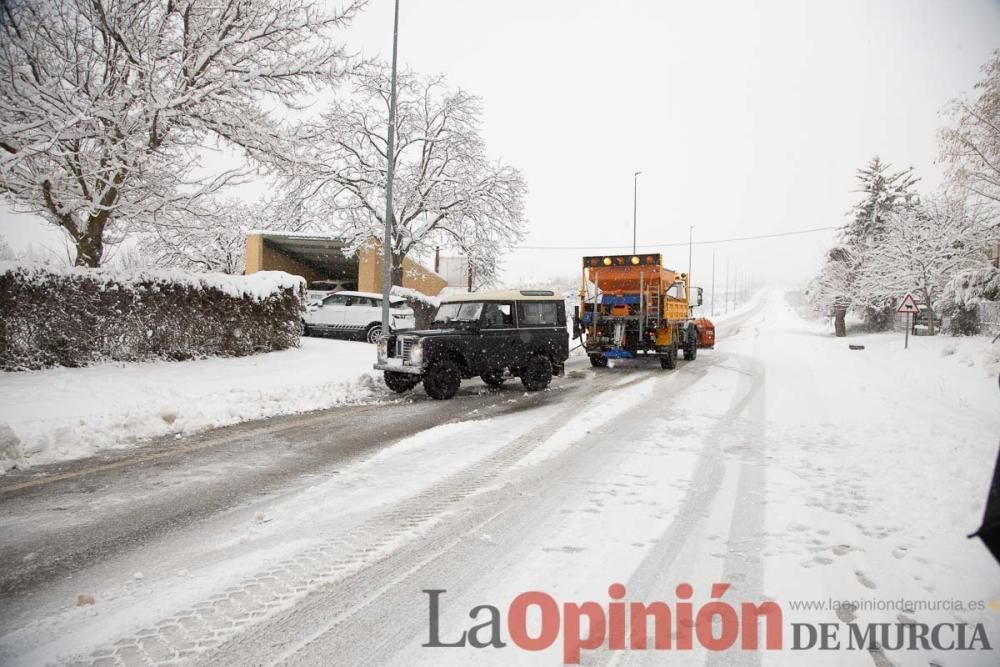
(744, 117)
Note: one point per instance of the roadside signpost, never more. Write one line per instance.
(908, 306)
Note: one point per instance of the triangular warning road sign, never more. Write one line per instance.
(909, 305)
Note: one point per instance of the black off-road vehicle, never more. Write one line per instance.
(490, 334)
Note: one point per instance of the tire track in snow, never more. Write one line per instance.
(451, 553)
(209, 624)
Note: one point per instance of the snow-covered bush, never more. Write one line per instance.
(965, 293)
(56, 316)
(424, 306)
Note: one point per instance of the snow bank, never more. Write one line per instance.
(257, 286)
(74, 317)
(62, 413)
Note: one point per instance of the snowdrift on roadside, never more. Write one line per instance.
(64, 413)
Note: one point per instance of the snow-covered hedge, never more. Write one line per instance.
(424, 306)
(61, 316)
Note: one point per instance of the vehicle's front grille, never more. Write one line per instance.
(403, 346)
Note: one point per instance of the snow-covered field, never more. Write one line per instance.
(67, 413)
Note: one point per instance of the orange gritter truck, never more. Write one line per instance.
(632, 305)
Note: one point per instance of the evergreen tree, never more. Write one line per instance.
(884, 190)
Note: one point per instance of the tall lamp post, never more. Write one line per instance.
(690, 247)
(390, 168)
(635, 206)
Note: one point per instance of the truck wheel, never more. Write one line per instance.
(537, 374)
(669, 360)
(442, 380)
(691, 349)
(493, 378)
(598, 361)
(400, 382)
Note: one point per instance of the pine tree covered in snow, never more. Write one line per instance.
(884, 190)
(107, 105)
(446, 192)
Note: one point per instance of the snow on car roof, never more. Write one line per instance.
(373, 295)
(506, 295)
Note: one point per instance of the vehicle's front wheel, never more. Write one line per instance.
(493, 378)
(691, 348)
(442, 380)
(373, 333)
(598, 361)
(400, 382)
(537, 374)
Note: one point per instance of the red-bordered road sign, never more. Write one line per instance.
(909, 305)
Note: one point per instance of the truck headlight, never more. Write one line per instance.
(417, 354)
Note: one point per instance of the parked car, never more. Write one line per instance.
(494, 335)
(320, 289)
(356, 315)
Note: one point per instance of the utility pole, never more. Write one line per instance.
(727, 286)
(635, 207)
(713, 283)
(391, 153)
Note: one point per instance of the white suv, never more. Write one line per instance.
(357, 315)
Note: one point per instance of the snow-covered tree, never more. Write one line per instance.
(923, 245)
(971, 147)
(215, 242)
(884, 190)
(446, 191)
(829, 293)
(106, 105)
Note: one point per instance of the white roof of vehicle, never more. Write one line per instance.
(506, 295)
(373, 295)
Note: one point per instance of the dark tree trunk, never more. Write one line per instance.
(90, 249)
(397, 270)
(839, 325)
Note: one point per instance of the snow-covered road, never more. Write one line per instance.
(781, 463)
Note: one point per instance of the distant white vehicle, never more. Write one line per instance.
(356, 315)
(320, 289)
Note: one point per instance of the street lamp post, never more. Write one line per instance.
(713, 283)
(690, 247)
(390, 168)
(635, 206)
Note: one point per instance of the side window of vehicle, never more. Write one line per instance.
(335, 300)
(539, 313)
(498, 316)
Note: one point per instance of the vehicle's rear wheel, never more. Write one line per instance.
(669, 360)
(537, 374)
(598, 361)
(493, 378)
(373, 333)
(442, 380)
(400, 382)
